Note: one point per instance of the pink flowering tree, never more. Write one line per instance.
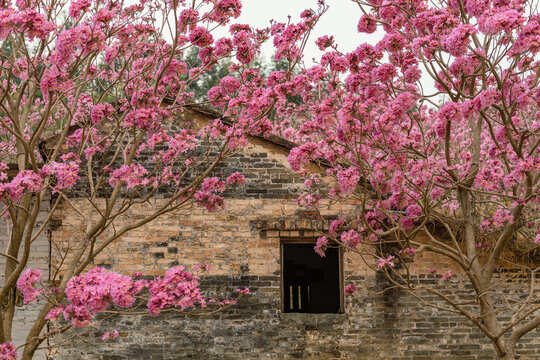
(91, 101)
(434, 131)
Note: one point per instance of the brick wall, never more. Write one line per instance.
(242, 244)
(243, 249)
(391, 326)
(39, 258)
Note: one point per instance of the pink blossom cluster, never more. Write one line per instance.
(93, 292)
(447, 276)
(412, 154)
(350, 289)
(8, 352)
(110, 335)
(408, 251)
(101, 112)
(336, 226)
(79, 6)
(244, 291)
(308, 200)
(144, 118)
(67, 174)
(76, 41)
(26, 21)
(24, 181)
(457, 41)
(225, 10)
(132, 175)
(386, 261)
(27, 285)
(350, 238)
(178, 289)
(200, 37)
(348, 179)
(201, 267)
(236, 179)
(302, 154)
(321, 246)
(209, 195)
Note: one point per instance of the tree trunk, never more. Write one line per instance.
(510, 351)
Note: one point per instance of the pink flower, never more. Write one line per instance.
(26, 285)
(412, 74)
(388, 261)
(336, 226)
(188, 18)
(223, 47)
(26, 180)
(337, 62)
(385, 72)
(244, 291)
(110, 335)
(350, 238)
(201, 267)
(226, 9)
(213, 184)
(79, 6)
(350, 289)
(200, 37)
(413, 211)
(303, 154)
(449, 112)
(494, 21)
(91, 293)
(408, 251)
(367, 25)
(54, 313)
(236, 178)
(54, 80)
(458, 40)
(145, 118)
(67, 174)
(324, 42)
(308, 200)
(178, 289)
(132, 175)
(476, 7)
(100, 112)
(321, 245)
(230, 84)
(8, 352)
(348, 179)
(447, 276)
(211, 201)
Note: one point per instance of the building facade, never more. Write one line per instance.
(297, 310)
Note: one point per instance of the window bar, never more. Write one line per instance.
(291, 305)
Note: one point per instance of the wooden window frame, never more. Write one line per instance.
(311, 241)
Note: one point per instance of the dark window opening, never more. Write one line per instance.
(311, 284)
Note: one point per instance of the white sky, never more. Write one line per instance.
(340, 21)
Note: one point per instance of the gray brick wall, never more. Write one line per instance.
(39, 258)
(383, 326)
